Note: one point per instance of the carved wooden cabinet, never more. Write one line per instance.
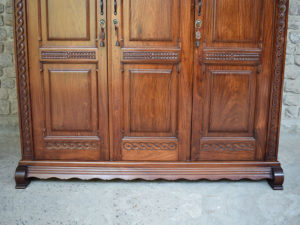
(150, 89)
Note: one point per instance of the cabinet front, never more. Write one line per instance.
(150, 80)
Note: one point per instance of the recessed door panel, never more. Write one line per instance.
(150, 22)
(237, 17)
(233, 22)
(71, 98)
(150, 95)
(231, 99)
(68, 19)
(67, 22)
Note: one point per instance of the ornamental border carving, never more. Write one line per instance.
(68, 54)
(150, 146)
(277, 78)
(74, 145)
(21, 56)
(150, 55)
(232, 56)
(239, 146)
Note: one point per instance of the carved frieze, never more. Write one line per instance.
(232, 56)
(247, 55)
(68, 54)
(239, 146)
(72, 145)
(150, 55)
(150, 146)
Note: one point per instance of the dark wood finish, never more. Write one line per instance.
(277, 178)
(21, 177)
(150, 93)
(232, 80)
(281, 23)
(232, 170)
(150, 75)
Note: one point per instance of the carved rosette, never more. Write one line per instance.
(277, 79)
(22, 77)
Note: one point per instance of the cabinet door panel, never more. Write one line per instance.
(150, 94)
(150, 101)
(67, 22)
(232, 80)
(62, 24)
(68, 78)
(150, 22)
(71, 98)
(230, 101)
(233, 22)
(149, 78)
(229, 106)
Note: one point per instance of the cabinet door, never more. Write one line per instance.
(68, 80)
(150, 79)
(232, 79)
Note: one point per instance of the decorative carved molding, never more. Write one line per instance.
(150, 146)
(241, 146)
(155, 171)
(277, 79)
(68, 54)
(150, 55)
(72, 145)
(232, 56)
(22, 77)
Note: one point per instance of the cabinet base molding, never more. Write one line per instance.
(150, 171)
